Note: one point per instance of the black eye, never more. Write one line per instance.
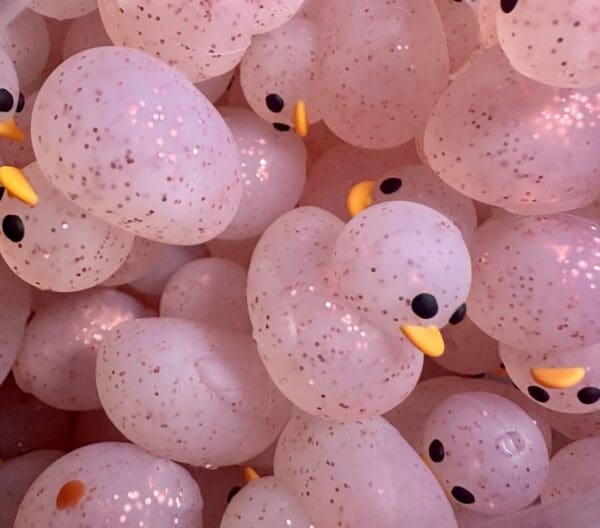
(13, 228)
(274, 103)
(436, 451)
(21, 103)
(508, 5)
(281, 127)
(1, 192)
(6, 100)
(462, 495)
(588, 395)
(390, 186)
(425, 306)
(232, 493)
(538, 394)
(459, 314)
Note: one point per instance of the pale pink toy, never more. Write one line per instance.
(323, 354)
(112, 484)
(265, 503)
(15, 307)
(487, 12)
(339, 168)
(462, 30)
(85, 33)
(416, 183)
(575, 426)
(91, 427)
(160, 163)
(57, 359)
(535, 281)
(26, 424)
(487, 453)
(381, 104)
(406, 267)
(56, 245)
(238, 251)
(359, 474)
(272, 172)
(274, 13)
(534, 143)
(410, 417)
(552, 42)
(16, 476)
(566, 381)
(215, 87)
(225, 409)
(469, 350)
(202, 39)
(169, 260)
(20, 153)
(27, 42)
(143, 258)
(210, 291)
(63, 9)
(574, 470)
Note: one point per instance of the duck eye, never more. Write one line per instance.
(232, 493)
(6, 100)
(436, 451)
(462, 495)
(425, 306)
(588, 395)
(508, 5)
(459, 314)
(274, 103)
(281, 127)
(13, 228)
(390, 186)
(21, 103)
(538, 394)
(1, 192)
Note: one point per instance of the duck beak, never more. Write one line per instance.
(14, 181)
(10, 130)
(428, 339)
(301, 119)
(250, 475)
(558, 378)
(360, 197)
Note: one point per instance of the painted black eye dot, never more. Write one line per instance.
(6, 100)
(21, 103)
(1, 192)
(281, 127)
(425, 306)
(538, 394)
(508, 5)
(232, 493)
(274, 103)
(462, 495)
(13, 228)
(458, 315)
(390, 186)
(436, 451)
(588, 395)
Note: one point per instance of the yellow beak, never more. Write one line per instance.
(428, 339)
(301, 119)
(250, 475)
(14, 181)
(360, 197)
(558, 378)
(10, 130)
